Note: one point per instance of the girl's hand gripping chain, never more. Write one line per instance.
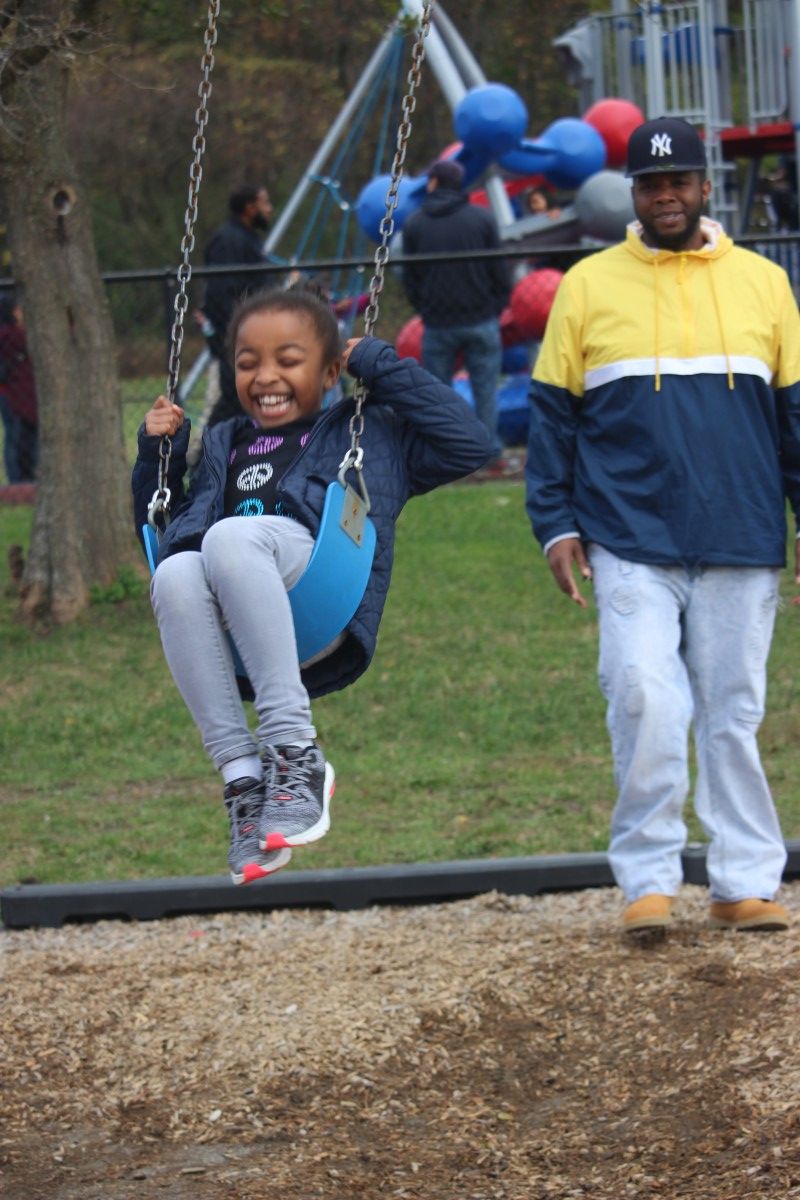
(163, 419)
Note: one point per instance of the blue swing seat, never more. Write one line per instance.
(329, 591)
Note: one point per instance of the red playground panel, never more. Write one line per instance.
(744, 142)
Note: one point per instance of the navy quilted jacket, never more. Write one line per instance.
(418, 433)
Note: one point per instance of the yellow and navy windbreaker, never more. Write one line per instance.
(665, 406)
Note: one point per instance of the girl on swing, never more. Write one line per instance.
(243, 532)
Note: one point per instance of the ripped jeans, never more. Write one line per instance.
(682, 648)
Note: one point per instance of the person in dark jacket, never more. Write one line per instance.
(243, 534)
(238, 242)
(460, 301)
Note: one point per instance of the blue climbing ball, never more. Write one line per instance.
(491, 119)
(579, 151)
(371, 204)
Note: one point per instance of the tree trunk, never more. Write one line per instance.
(82, 527)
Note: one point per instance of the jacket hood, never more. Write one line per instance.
(716, 243)
(444, 201)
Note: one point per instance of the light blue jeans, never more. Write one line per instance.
(482, 348)
(237, 581)
(681, 648)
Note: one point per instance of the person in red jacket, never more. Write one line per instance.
(17, 396)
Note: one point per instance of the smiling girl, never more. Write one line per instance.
(242, 535)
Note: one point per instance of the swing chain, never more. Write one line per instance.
(159, 505)
(354, 455)
(386, 228)
(195, 176)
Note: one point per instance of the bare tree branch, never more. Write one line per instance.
(30, 33)
(8, 12)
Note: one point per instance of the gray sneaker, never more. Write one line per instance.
(244, 800)
(299, 787)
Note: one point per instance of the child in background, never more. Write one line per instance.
(242, 534)
(541, 202)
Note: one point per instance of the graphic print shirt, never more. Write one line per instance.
(258, 460)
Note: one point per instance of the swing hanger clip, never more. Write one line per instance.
(158, 508)
(354, 459)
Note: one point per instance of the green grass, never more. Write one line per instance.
(139, 394)
(478, 731)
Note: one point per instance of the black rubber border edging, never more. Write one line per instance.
(50, 905)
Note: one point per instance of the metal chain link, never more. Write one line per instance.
(355, 455)
(159, 505)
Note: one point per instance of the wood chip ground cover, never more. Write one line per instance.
(493, 1049)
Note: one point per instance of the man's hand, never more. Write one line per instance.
(163, 419)
(562, 558)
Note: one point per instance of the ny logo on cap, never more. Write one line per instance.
(660, 144)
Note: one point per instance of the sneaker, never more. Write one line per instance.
(244, 800)
(299, 789)
(750, 915)
(649, 912)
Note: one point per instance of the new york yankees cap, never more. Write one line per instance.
(665, 144)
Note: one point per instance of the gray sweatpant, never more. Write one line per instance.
(237, 582)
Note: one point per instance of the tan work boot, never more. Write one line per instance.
(653, 911)
(749, 914)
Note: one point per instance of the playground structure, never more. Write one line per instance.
(723, 65)
(571, 154)
(490, 122)
(729, 67)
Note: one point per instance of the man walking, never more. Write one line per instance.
(459, 301)
(238, 241)
(664, 441)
